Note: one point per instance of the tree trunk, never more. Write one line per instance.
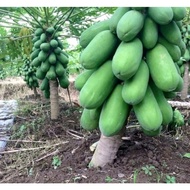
(184, 92)
(54, 99)
(35, 92)
(106, 150)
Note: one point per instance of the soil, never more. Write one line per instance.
(44, 151)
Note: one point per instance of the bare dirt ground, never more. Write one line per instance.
(45, 151)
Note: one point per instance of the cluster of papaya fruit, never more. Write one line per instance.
(130, 64)
(185, 30)
(180, 64)
(49, 58)
(29, 73)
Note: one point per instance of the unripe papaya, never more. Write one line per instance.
(127, 58)
(162, 68)
(179, 13)
(90, 118)
(98, 87)
(87, 36)
(82, 78)
(165, 107)
(148, 112)
(119, 12)
(134, 89)
(114, 113)
(51, 75)
(102, 46)
(161, 15)
(171, 33)
(149, 33)
(130, 25)
(173, 50)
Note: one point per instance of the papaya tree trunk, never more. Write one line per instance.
(106, 150)
(54, 99)
(184, 92)
(35, 92)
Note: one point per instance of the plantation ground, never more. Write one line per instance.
(45, 151)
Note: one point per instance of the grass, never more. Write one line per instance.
(33, 123)
(27, 146)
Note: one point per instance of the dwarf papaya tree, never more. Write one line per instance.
(130, 60)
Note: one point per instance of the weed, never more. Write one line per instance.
(186, 155)
(148, 169)
(56, 162)
(19, 132)
(170, 179)
(30, 172)
(24, 109)
(108, 179)
(135, 176)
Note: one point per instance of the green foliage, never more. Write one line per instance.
(148, 169)
(21, 22)
(177, 122)
(186, 155)
(10, 68)
(170, 179)
(56, 162)
(108, 179)
(83, 17)
(178, 118)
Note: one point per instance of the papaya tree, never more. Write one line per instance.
(129, 67)
(46, 28)
(184, 62)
